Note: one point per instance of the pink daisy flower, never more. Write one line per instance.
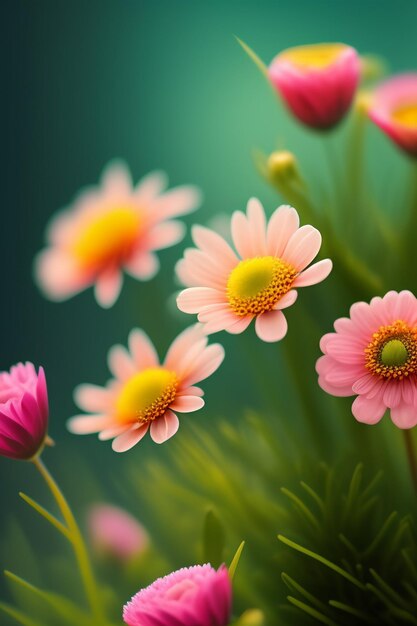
(114, 227)
(317, 82)
(394, 110)
(116, 533)
(24, 411)
(144, 394)
(192, 596)
(228, 290)
(373, 355)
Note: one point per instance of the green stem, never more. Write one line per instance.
(411, 457)
(77, 541)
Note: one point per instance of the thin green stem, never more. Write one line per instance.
(77, 541)
(411, 456)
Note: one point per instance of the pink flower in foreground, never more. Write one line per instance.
(373, 354)
(114, 227)
(192, 596)
(115, 532)
(394, 110)
(23, 411)
(228, 290)
(317, 82)
(144, 394)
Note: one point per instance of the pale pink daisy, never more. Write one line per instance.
(394, 109)
(228, 290)
(110, 228)
(373, 355)
(145, 394)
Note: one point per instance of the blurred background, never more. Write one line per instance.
(163, 85)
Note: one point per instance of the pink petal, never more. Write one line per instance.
(191, 391)
(193, 299)
(150, 186)
(120, 363)
(110, 433)
(128, 439)
(92, 398)
(302, 247)
(107, 287)
(257, 226)
(165, 235)
(368, 411)
(116, 179)
(241, 235)
(183, 345)
(142, 350)
(205, 365)
(219, 320)
(239, 325)
(58, 275)
(164, 427)
(214, 245)
(314, 274)
(198, 269)
(392, 394)
(143, 265)
(87, 424)
(271, 326)
(287, 300)
(282, 225)
(187, 404)
(177, 201)
(404, 415)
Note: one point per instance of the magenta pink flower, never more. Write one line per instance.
(229, 290)
(317, 82)
(144, 394)
(116, 533)
(394, 110)
(373, 355)
(192, 596)
(23, 411)
(116, 226)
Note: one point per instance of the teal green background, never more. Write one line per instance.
(163, 85)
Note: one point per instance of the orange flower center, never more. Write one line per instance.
(146, 396)
(316, 56)
(406, 115)
(108, 238)
(392, 353)
(255, 285)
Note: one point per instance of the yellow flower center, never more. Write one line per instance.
(316, 56)
(392, 353)
(255, 285)
(406, 115)
(146, 395)
(108, 238)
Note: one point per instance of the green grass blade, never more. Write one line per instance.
(312, 612)
(20, 617)
(255, 58)
(45, 514)
(235, 561)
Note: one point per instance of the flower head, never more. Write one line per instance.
(373, 355)
(145, 394)
(228, 290)
(317, 82)
(115, 532)
(394, 110)
(23, 411)
(192, 596)
(116, 226)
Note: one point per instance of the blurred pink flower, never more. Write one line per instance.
(373, 354)
(116, 226)
(317, 82)
(192, 596)
(115, 532)
(23, 411)
(145, 395)
(228, 290)
(394, 109)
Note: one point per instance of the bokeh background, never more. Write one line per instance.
(162, 84)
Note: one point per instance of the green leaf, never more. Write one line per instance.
(44, 513)
(20, 617)
(213, 539)
(312, 612)
(255, 58)
(235, 561)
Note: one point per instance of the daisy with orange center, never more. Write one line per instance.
(373, 354)
(145, 394)
(114, 227)
(394, 110)
(317, 82)
(228, 290)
